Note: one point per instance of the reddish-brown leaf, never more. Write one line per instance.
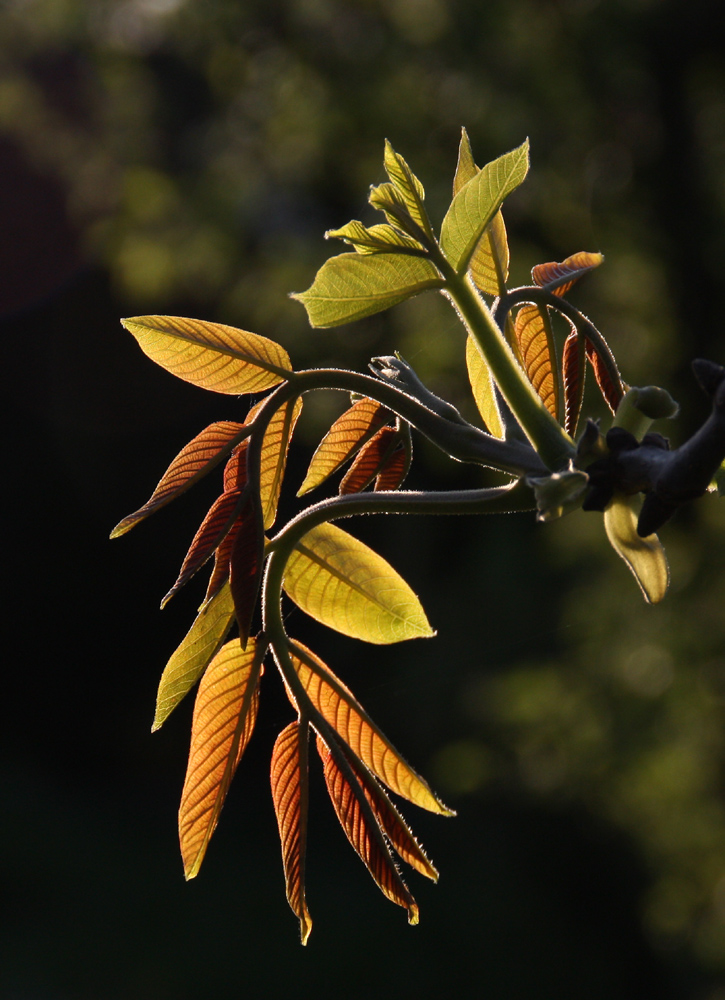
(535, 340)
(214, 528)
(395, 470)
(349, 432)
(193, 462)
(606, 373)
(370, 461)
(224, 716)
(235, 471)
(289, 780)
(246, 563)
(572, 365)
(558, 278)
(389, 819)
(362, 828)
(338, 706)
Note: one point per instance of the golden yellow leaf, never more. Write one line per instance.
(535, 339)
(336, 703)
(289, 781)
(211, 355)
(224, 715)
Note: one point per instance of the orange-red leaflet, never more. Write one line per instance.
(536, 347)
(558, 278)
(192, 463)
(214, 527)
(370, 461)
(363, 830)
(224, 716)
(348, 433)
(289, 779)
(339, 707)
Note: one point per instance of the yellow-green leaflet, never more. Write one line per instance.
(342, 583)
(189, 661)
(644, 556)
(477, 203)
(354, 285)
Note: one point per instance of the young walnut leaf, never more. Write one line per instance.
(339, 707)
(558, 278)
(224, 716)
(645, 556)
(289, 778)
(342, 583)
(489, 265)
(372, 459)
(532, 329)
(409, 188)
(222, 515)
(274, 457)
(198, 648)
(572, 366)
(388, 817)
(479, 376)
(477, 202)
(349, 432)
(192, 463)
(364, 833)
(211, 355)
(606, 372)
(246, 563)
(396, 468)
(354, 285)
(376, 239)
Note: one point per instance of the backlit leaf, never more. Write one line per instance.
(645, 556)
(388, 818)
(606, 373)
(192, 463)
(370, 460)
(274, 457)
(342, 583)
(410, 188)
(343, 439)
(222, 556)
(224, 716)
(235, 471)
(395, 470)
(339, 707)
(211, 355)
(354, 285)
(189, 661)
(482, 388)
(489, 265)
(362, 830)
(214, 527)
(383, 238)
(572, 367)
(246, 562)
(535, 339)
(558, 278)
(289, 778)
(477, 202)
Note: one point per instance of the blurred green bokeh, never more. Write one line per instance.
(200, 151)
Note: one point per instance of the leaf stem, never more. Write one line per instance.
(550, 440)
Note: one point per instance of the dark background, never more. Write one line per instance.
(183, 157)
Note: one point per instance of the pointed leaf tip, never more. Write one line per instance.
(211, 355)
